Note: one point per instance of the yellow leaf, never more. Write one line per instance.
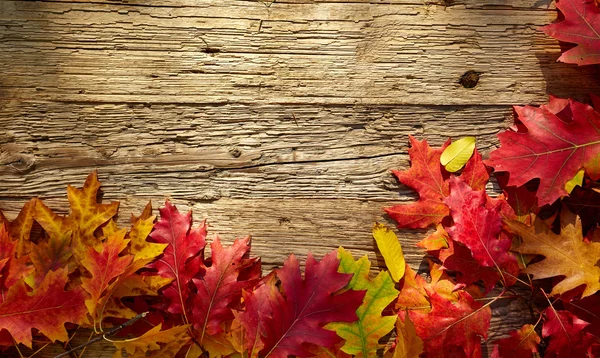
(390, 248)
(139, 246)
(577, 180)
(456, 155)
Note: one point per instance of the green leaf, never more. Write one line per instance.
(390, 248)
(577, 180)
(456, 155)
(362, 336)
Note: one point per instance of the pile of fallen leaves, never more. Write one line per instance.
(152, 290)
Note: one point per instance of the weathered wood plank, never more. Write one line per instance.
(245, 52)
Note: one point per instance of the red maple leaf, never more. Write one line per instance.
(567, 335)
(46, 309)
(296, 318)
(182, 259)
(581, 25)
(522, 343)
(452, 329)
(553, 148)
(478, 225)
(429, 178)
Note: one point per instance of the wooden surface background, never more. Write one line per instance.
(277, 119)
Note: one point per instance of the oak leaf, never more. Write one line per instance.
(581, 26)
(362, 336)
(552, 144)
(182, 258)
(46, 309)
(408, 344)
(155, 342)
(296, 317)
(565, 254)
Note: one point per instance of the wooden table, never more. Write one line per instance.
(277, 119)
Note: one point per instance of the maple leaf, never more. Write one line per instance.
(452, 326)
(408, 344)
(522, 343)
(567, 335)
(362, 337)
(105, 265)
(478, 227)
(155, 342)
(291, 321)
(553, 148)
(581, 25)
(46, 309)
(182, 258)
(427, 176)
(565, 254)
(220, 286)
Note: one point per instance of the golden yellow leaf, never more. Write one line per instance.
(390, 248)
(457, 154)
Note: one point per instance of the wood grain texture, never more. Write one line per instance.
(276, 119)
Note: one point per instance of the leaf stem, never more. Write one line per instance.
(107, 334)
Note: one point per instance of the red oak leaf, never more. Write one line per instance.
(581, 25)
(297, 317)
(221, 286)
(452, 329)
(477, 225)
(12, 269)
(182, 259)
(429, 178)
(46, 309)
(552, 148)
(567, 335)
(522, 343)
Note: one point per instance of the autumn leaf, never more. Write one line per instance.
(155, 342)
(12, 269)
(427, 176)
(581, 26)
(20, 228)
(567, 335)
(362, 336)
(297, 316)
(105, 265)
(408, 344)
(50, 255)
(220, 286)
(46, 309)
(456, 155)
(522, 343)
(565, 254)
(552, 148)
(390, 249)
(182, 259)
(452, 326)
(478, 227)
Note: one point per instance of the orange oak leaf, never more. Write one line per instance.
(567, 335)
(46, 309)
(20, 228)
(522, 343)
(478, 225)
(429, 178)
(553, 143)
(105, 265)
(291, 319)
(565, 254)
(408, 344)
(581, 25)
(182, 258)
(155, 342)
(452, 329)
(221, 286)
(12, 269)
(50, 255)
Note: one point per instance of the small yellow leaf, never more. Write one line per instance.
(577, 180)
(390, 248)
(456, 155)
